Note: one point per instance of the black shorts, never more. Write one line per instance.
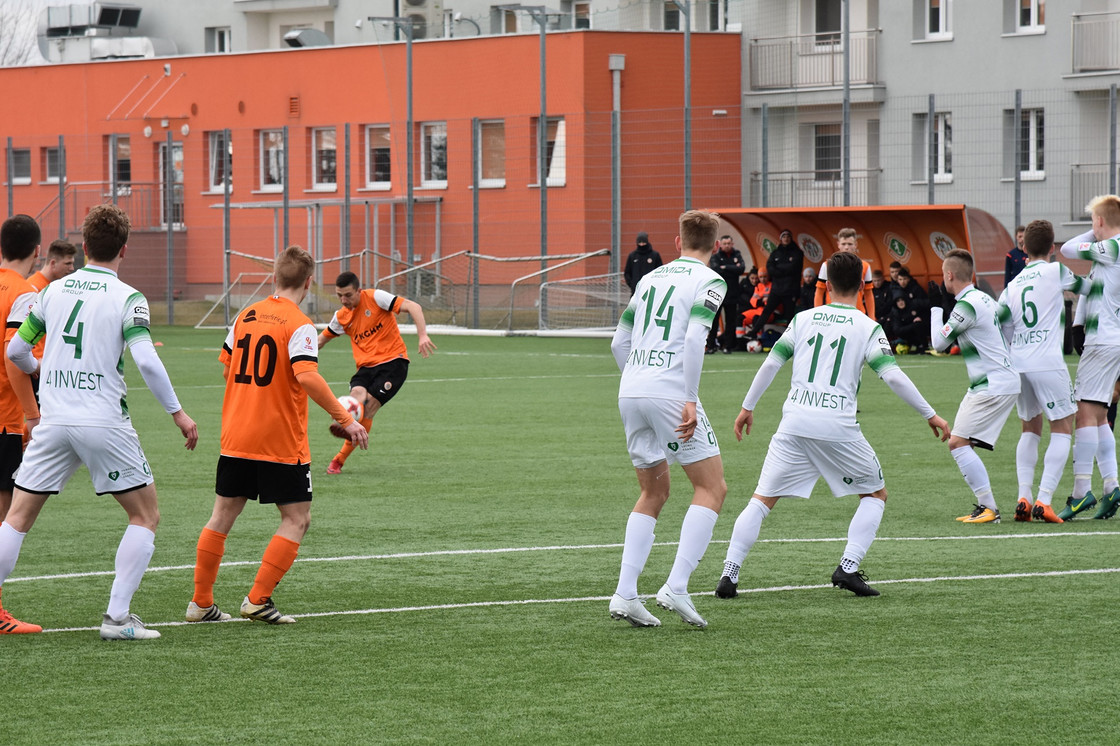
(382, 381)
(264, 481)
(11, 456)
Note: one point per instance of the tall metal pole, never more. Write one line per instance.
(113, 166)
(476, 159)
(845, 129)
(345, 251)
(616, 64)
(684, 6)
(11, 180)
(61, 187)
(931, 165)
(227, 164)
(541, 15)
(284, 175)
(410, 147)
(766, 155)
(1018, 155)
(1111, 139)
(169, 217)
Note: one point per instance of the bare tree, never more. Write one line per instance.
(18, 22)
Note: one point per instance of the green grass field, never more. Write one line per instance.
(453, 587)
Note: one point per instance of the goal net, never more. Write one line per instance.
(584, 303)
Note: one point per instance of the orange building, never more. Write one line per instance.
(114, 119)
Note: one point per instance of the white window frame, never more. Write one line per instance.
(943, 160)
(373, 130)
(946, 16)
(581, 11)
(834, 129)
(671, 11)
(217, 145)
(48, 177)
(219, 40)
(1034, 143)
(430, 170)
(1036, 22)
(270, 144)
(829, 39)
(24, 155)
(324, 141)
(558, 160)
(492, 182)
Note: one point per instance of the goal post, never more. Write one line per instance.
(591, 303)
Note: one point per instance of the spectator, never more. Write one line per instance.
(847, 240)
(912, 291)
(784, 267)
(884, 299)
(641, 261)
(763, 291)
(893, 268)
(1016, 258)
(808, 289)
(727, 262)
(908, 325)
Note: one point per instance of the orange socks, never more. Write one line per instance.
(278, 559)
(348, 447)
(208, 557)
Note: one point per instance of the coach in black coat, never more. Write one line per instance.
(641, 261)
(727, 262)
(784, 266)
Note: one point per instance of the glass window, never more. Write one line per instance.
(672, 17)
(1032, 14)
(218, 40)
(272, 160)
(555, 152)
(324, 168)
(219, 147)
(21, 166)
(379, 161)
(122, 162)
(492, 153)
(581, 15)
(1031, 141)
(433, 154)
(938, 18)
(828, 20)
(826, 152)
(52, 165)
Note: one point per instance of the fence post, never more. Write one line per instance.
(284, 176)
(11, 179)
(169, 218)
(61, 187)
(766, 155)
(476, 137)
(346, 200)
(931, 129)
(226, 216)
(1111, 139)
(1018, 124)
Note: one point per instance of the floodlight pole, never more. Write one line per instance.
(684, 7)
(404, 25)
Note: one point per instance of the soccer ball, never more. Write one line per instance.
(351, 405)
(902, 349)
(754, 346)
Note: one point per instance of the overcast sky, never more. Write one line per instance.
(19, 20)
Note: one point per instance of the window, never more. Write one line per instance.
(121, 163)
(219, 146)
(714, 8)
(673, 20)
(828, 20)
(1032, 14)
(272, 160)
(20, 166)
(433, 154)
(581, 15)
(826, 152)
(324, 166)
(176, 183)
(51, 165)
(942, 145)
(378, 157)
(1031, 141)
(555, 152)
(939, 19)
(492, 154)
(218, 40)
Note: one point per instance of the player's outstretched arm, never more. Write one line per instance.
(320, 393)
(155, 376)
(905, 389)
(417, 313)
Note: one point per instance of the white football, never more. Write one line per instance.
(351, 405)
(754, 346)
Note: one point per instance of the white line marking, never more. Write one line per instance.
(587, 599)
(559, 548)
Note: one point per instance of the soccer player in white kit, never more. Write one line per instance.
(659, 347)
(993, 385)
(88, 319)
(1032, 314)
(1100, 360)
(818, 435)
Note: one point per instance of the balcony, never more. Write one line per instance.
(1095, 42)
(814, 188)
(1086, 181)
(813, 61)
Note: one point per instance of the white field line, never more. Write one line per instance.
(557, 548)
(588, 599)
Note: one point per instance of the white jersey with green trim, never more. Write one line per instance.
(88, 318)
(829, 346)
(1102, 307)
(974, 326)
(1033, 307)
(665, 302)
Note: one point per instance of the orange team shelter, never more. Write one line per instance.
(916, 236)
(454, 81)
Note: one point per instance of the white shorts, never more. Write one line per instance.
(981, 416)
(794, 463)
(1046, 392)
(115, 460)
(1097, 373)
(651, 435)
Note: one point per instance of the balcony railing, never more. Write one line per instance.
(814, 188)
(142, 201)
(813, 60)
(1086, 181)
(1095, 42)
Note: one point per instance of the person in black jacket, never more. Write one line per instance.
(727, 262)
(784, 267)
(641, 261)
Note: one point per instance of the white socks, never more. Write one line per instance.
(1053, 464)
(696, 533)
(861, 531)
(1084, 451)
(1026, 458)
(1106, 456)
(133, 555)
(635, 552)
(10, 543)
(975, 476)
(743, 537)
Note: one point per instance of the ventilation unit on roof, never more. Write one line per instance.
(97, 31)
(426, 17)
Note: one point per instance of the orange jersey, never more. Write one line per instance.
(16, 295)
(866, 300)
(372, 328)
(39, 281)
(264, 411)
